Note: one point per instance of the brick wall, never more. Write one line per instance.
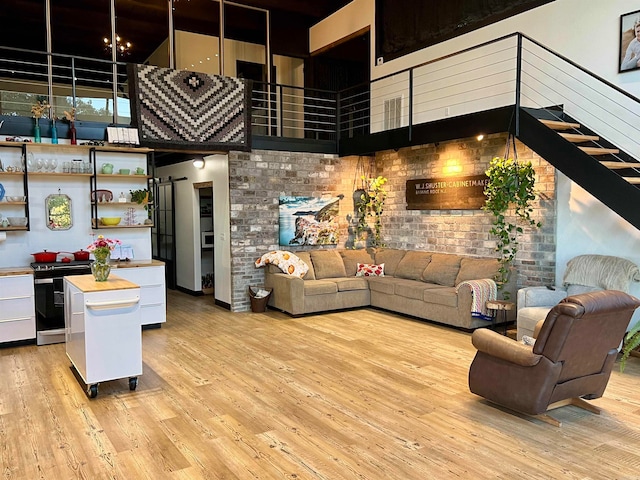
(257, 179)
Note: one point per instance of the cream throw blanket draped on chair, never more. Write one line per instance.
(602, 271)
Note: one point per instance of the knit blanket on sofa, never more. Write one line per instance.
(481, 291)
(602, 271)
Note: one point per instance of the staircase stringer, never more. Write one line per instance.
(601, 182)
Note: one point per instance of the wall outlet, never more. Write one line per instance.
(379, 61)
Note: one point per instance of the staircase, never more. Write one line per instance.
(599, 167)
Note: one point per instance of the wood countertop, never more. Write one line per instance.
(26, 270)
(88, 284)
(136, 264)
(10, 271)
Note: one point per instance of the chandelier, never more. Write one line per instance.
(123, 48)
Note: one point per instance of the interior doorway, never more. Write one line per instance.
(164, 245)
(204, 192)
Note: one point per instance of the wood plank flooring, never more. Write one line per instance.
(362, 394)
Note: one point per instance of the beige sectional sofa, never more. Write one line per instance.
(417, 283)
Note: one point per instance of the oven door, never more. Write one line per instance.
(49, 300)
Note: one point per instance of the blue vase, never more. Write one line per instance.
(54, 133)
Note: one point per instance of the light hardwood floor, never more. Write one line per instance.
(362, 394)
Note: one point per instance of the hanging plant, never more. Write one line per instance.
(510, 192)
(371, 203)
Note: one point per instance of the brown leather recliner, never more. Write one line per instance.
(572, 357)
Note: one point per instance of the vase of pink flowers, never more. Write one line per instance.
(101, 249)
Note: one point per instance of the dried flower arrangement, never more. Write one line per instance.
(70, 116)
(39, 108)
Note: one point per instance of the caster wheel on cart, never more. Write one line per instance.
(92, 391)
(133, 383)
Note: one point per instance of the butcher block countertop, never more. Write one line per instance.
(26, 270)
(9, 271)
(88, 284)
(136, 263)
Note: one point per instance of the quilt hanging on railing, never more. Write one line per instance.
(189, 110)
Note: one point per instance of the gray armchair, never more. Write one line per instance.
(585, 273)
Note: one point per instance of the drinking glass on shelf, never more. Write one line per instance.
(40, 165)
(54, 164)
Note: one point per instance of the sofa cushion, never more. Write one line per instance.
(351, 283)
(390, 257)
(382, 284)
(328, 264)
(410, 288)
(446, 296)
(306, 258)
(319, 287)
(477, 268)
(443, 269)
(413, 264)
(351, 259)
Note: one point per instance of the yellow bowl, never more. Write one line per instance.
(110, 220)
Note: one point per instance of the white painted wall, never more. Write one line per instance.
(187, 262)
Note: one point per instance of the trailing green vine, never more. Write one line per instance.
(510, 192)
(371, 203)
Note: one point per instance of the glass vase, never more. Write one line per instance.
(72, 133)
(54, 133)
(36, 134)
(101, 267)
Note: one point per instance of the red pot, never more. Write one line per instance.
(81, 255)
(45, 257)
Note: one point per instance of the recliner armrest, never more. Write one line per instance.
(496, 345)
(540, 297)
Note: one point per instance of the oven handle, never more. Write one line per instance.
(113, 304)
(43, 281)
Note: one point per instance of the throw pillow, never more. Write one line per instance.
(286, 261)
(370, 270)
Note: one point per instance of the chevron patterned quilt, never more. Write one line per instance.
(189, 110)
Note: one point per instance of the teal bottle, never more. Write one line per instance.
(54, 133)
(36, 134)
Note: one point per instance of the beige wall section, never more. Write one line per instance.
(351, 18)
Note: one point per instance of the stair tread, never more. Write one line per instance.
(633, 180)
(599, 150)
(578, 137)
(558, 124)
(619, 165)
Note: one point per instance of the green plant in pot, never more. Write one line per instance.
(510, 193)
(631, 342)
(371, 203)
(141, 196)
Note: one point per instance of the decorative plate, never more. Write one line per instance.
(102, 196)
(1, 192)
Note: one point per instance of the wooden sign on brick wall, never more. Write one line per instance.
(448, 193)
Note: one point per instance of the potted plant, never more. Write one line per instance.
(371, 203)
(631, 342)
(141, 196)
(510, 192)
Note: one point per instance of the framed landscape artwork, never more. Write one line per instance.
(309, 220)
(629, 42)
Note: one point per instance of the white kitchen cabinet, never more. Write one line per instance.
(17, 310)
(153, 296)
(102, 329)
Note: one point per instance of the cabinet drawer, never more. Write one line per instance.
(18, 330)
(153, 314)
(16, 309)
(150, 294)
(16, 286)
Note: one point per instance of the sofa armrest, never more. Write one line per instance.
(539, 297)
(287, 292)
(496, 345)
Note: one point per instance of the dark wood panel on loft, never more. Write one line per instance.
(404, 26)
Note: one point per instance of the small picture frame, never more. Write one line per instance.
(629, 58)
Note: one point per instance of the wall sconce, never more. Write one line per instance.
(198, 162)
(480, 137)
(451, 167)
